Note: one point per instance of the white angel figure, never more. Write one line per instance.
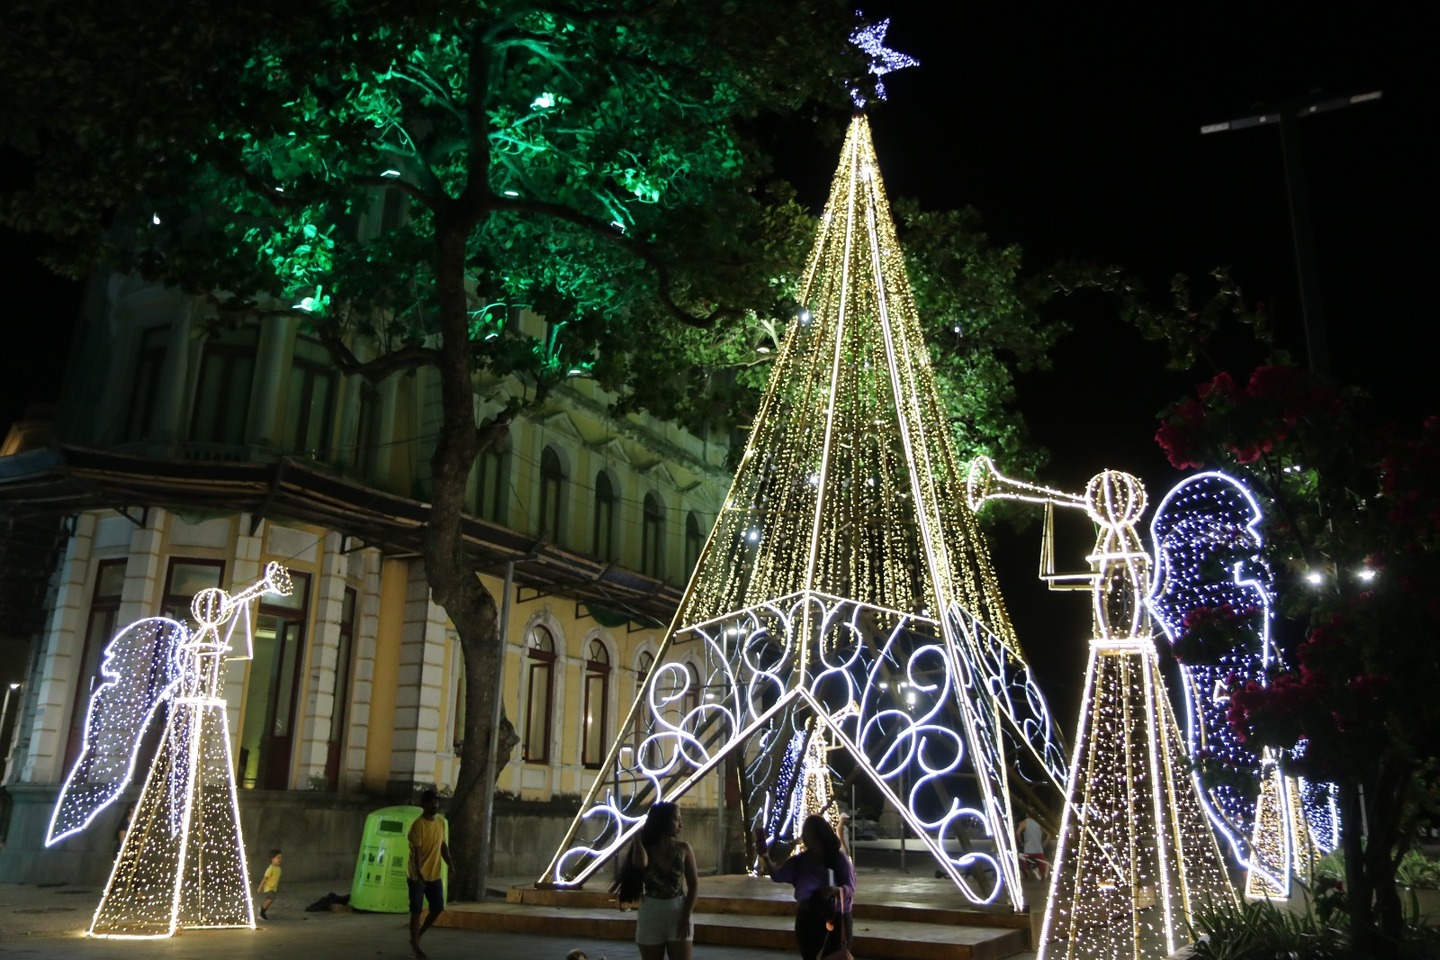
(182, 862)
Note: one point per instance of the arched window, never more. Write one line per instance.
(222, 392)
(642, 716)
(539, 690)
(604, 516)
(694, 541)
(493, 484)
(652, 539)
(268, 740)
(594, 738)
(552, 488)
(691, 699)
(310, 400)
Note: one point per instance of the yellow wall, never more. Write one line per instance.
(379, 737)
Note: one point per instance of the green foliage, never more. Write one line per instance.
(1259, 930)
(1415, 870)
(590, 157)
(982, 319)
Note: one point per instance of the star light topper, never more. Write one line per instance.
(871, 39)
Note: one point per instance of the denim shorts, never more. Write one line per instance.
(659, 922)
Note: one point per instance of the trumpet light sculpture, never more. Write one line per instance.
(1135, 855)
(182, 862)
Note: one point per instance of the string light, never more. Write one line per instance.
(1210, 522)
(1135, 856)
(182, 863)
(868, 573)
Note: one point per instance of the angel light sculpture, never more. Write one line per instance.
(1135, 856)
(182, 862)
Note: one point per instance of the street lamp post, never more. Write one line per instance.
(1301, 230)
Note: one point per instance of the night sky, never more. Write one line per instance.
(1074, 130)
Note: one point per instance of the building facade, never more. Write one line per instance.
(188, 456)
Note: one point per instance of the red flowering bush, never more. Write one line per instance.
(1352, 530)
(1208, 634)
(1245, 422)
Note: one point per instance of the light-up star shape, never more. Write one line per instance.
(883, 60)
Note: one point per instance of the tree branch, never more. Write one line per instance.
(409, 357)
(643, 251)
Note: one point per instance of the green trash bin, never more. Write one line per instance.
(379, 885)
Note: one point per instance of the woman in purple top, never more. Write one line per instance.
(824, 884)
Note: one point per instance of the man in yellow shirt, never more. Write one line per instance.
(427, 850)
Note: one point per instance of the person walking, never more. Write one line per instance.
(1030, 837)
(824, 882)
(428, 849)
(659, 871)
(270, 883)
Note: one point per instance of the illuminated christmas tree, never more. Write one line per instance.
(845, 592)
(1135, 856)
(182, 863)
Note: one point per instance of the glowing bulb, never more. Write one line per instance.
(1366, 574)
(543, 102)
(1314, 577)
(390, 174)
(155, 219)
(512, 193)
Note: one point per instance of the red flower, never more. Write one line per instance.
(1271, 381)
(1223, 385)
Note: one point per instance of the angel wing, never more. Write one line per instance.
(139, 670)
(1207, 552)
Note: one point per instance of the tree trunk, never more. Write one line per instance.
(453, 581)
(1376, 915)
(1386, 809)
(1358, 894)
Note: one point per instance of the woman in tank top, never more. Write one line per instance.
(659, 868)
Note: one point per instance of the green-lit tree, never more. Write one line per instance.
(592, 160)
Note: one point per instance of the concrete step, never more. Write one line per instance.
(750, 912)
(874, 939)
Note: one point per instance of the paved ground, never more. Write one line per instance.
(50, 922)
